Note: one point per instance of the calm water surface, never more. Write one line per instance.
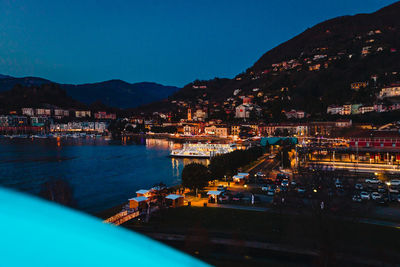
(102, 173)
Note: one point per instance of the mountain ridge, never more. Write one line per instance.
(113, 93)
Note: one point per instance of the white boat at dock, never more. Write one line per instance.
(200, 150)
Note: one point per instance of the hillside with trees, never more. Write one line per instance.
(312, 70)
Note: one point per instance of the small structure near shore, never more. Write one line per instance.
(138, 202)
(241, 177)
(174, 200)
(143, 193)
(213, 196)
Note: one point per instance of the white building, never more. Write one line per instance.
(61, 113)
(82, 113)
(334, 110)
(366, 109)
(295, 114)
(243, 111)
(28, 111)
(390, 91)
(200, 115)
(43, 112)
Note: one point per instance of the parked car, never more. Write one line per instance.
(301, 190)
(271, 156)
(382, 201)
(224, 199)
(357, 198)
(293, 183)
(393, 183)
(260, 174)
(375, 195)
(271, 192)
(238, 197)
(365, 195)
(265, 188)
(338, 184)
(358, 186)
(285, 182)
(381, 189)
(372, 180)
(393, 190)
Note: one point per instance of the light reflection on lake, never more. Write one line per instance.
(102, 173)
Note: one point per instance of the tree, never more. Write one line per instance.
(195, 176)
(58, 190)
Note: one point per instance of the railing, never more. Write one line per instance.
(117, 216)
(127, 218)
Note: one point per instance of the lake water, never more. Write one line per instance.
(102, 173)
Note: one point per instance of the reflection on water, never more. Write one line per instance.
(102, 173)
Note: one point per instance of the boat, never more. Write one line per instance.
(200, 150)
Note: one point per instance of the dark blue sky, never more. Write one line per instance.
(170, 42)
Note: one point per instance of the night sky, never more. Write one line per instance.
(169, 42)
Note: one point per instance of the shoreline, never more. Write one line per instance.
(176, 138)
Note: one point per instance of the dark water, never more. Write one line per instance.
(101, 173)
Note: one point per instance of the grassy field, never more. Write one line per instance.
(322, 233)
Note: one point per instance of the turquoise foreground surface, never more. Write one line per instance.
(38, 233)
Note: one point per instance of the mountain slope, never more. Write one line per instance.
(37, 96)
(117, 93)
(315, 68)
(114, 93)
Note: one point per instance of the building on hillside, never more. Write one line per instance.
(390, 91)
(357, 85)
(280, 129)
(39, 120)
(246, 100)
(4, 121)
(16, 121)
(380, 107)
(323, 128)
(61, 113)
(235, 130)
(355, 108)
(189, 114)
(82, 113)
(200, 115)
(102, 115)
(343, 123)
(333, 110)
(366, 109)
(346, 109)
(295, 114)
(28, 111)
(191, 129)
(43, 112)
(217, 130)
(244, 111)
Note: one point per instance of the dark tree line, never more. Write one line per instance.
(229, 163)
(196, 176)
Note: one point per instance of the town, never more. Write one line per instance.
(193, 134)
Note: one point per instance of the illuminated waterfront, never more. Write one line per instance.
(101, 173)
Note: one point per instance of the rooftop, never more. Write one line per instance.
(139, 199)
(173, 196)
(142, 191)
